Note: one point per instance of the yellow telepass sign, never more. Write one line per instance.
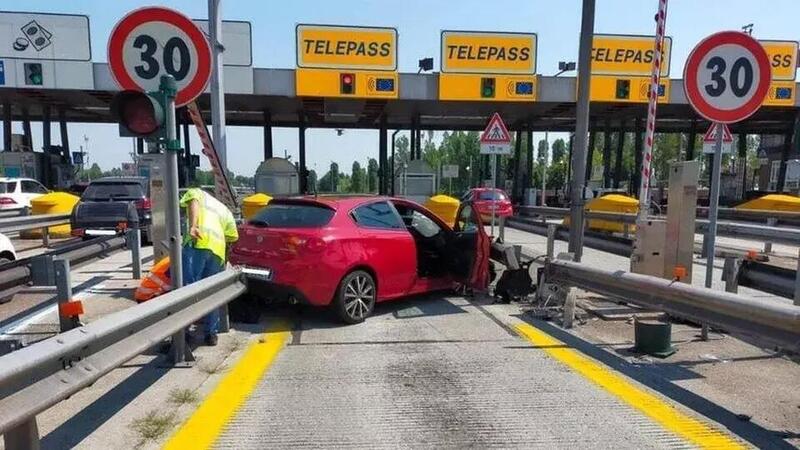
(783, 58)
(781, 93)
(485, 52)
(614, 54)
(342, 47)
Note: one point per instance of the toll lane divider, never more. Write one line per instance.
(693, 430)
(203, 428)
(37, 377)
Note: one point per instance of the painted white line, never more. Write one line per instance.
(24, 322)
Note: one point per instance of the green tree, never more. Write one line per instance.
(401, 153)
(94, 172)
(372, 175)
(541, 151)
(312, 180)
(356, 178)
(558, 151)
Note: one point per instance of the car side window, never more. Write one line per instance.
(466, 219)
(377, 215)
(32, 187)
(424, 225)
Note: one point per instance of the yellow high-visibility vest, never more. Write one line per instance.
(216, 223)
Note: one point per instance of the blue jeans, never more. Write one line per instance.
(199, 263)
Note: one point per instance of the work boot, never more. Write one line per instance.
(211, 340)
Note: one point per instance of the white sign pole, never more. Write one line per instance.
(494, 185)
(217, 91)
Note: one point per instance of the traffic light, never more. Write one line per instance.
(347, 83)
(139, 114)
(487, 87)
(33, 74)
(623, 89)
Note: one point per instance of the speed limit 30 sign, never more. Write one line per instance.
(154, 41)
(727, 77)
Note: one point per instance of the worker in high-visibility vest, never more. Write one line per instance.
(155, 283)
(211, 227)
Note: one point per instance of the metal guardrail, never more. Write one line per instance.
(37, 377)
(39, 269)
(22, 223)
(762, 233)
(775, 322)
(598, 241)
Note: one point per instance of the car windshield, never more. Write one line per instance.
(113, 191)
(292, 215)
(7, 187)
(491, 195)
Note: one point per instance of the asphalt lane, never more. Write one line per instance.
(438, 371)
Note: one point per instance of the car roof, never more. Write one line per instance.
(339, 201)
(141, 180)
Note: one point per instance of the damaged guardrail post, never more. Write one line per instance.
(134, 241)
(771, 222)
(730, 274)
(68, 311)
(46, 237)
(551, 240)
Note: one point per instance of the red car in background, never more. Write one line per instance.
(485, 198)
(352, 252)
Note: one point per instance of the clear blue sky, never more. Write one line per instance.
(419, 23)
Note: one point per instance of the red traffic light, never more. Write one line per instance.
(138, 114)
(347, 83)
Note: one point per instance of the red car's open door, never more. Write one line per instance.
(469, 249)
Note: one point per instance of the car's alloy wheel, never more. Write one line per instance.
(356, 297)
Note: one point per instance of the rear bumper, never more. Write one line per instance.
(276, 292)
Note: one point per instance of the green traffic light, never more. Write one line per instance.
(487, 87)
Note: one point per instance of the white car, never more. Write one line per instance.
(7, 252)
(17, 193)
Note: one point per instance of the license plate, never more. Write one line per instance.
(258, 273)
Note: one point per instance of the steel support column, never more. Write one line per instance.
(303, 178)
(618, 157)
(412, 150)
(607, 156)
(27, 136)
(638, 148)
(516, 191)
(139, 146)
(46, 135)
(590, 156)
(268, 148)
(691, 141)
(62, 125)
(382, 158)
(528, 158)
(743, 158)
(581, 128)
(6, 126)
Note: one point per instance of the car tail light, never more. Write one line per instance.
(143, 203)
(312, 244)
(78, 232)
(7, 201)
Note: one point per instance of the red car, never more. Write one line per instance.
(485, 198)
(351, 252)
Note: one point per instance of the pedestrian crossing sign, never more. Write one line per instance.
(496, 140)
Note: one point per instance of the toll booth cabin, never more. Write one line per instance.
(277, 177)
(416, 181)
(51, 167)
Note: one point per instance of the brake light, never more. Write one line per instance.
(143, 203)
(313, 244)
(7, 201)
(78, 232)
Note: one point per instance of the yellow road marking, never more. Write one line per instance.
(689, 428)
(219, 407)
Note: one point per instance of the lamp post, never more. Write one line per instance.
(563, 66)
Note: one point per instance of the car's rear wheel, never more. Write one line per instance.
(355, 299)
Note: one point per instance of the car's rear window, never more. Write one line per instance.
(491, 195)
(113, 191)
(7, 187)
(292, 215)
